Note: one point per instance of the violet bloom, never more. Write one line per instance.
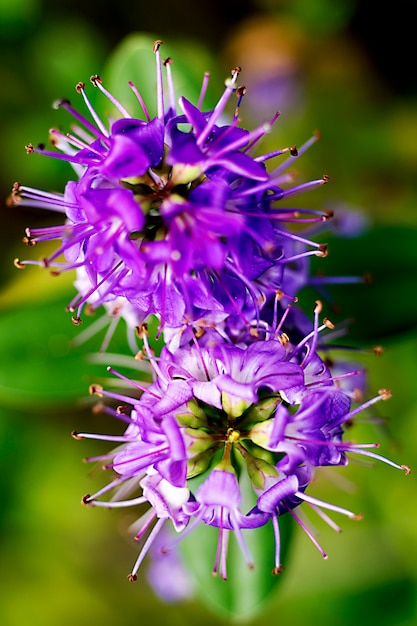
(213, 410)
(172, 213)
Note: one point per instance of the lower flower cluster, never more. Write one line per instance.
(221, 413)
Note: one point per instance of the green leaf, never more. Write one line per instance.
(41, 367)
(133, 60)
(388, 304)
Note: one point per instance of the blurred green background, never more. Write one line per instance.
(340, 67)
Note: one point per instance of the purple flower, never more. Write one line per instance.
(184, 224)
(214, 409)
(177, 216)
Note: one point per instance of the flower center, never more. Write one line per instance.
(214, 433)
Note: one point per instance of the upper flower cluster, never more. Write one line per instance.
(173, 214)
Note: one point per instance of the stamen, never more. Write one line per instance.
(130, 381)
(87, 499)
(308, 533)
(275, 525)
(152, 536)
(326, 505)
(219, 108)
(97, 82)
(240, 92)
(295, 154)
(241, 542)
(253, 143)
(140, 100)
(70, 158)
(271, 155)
(159, 451)
(335, 378)
(283, 317)
(313, 184)
(171, 91)
(119, 504)
(75, 141)
(203, 91)
(159, 81)
(80, 89)
(325, 518)
(116, 438)
(220, 550)
(242, 141)
(315, 333)
(384, 394)
(377, 457)
(98, 390)
(65, 104)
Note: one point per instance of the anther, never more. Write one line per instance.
(77, 321)
(326, 178)
(367, 278)
(236, 70)
(241, 91)
(277, 570)
(318, 308)
(233, 435)
(98, 408)
(29, 148)
(141, 331)
(13, 198)
(378, 350)
(86, 499)
(406, 469)
(328, 323)
(96, 390)
(19, 264)
(76, 435)
(95, 79)
(385, 393)
(28, 241)
(323, 250)
(328, 214)
(158, 43)
(199, 332)
(357, 518)
(283, 339)
(294, 151)
(132, 578)
(57, 104)
(79, 87)
(167, 61)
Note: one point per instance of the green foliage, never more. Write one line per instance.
(386, 303)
